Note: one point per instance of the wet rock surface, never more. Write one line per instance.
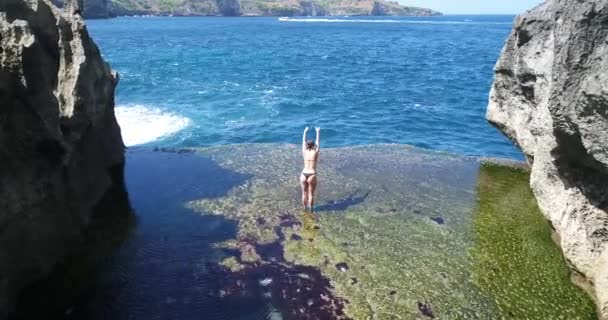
(550, 96)
(384, 252)
(198, 247)
(60, 146)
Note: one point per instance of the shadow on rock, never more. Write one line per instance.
(343, 204)
(111, 223)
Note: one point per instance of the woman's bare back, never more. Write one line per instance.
(310, 160)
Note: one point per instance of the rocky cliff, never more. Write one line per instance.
(60, 145)
(92, 9)
(108, 8)
(550, 96)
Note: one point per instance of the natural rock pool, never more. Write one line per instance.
(399, 233)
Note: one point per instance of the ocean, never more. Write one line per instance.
(196, 82)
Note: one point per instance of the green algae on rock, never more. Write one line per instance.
(393, 233)
(516, 261)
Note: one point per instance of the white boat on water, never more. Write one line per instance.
(284, 19)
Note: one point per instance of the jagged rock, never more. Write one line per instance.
(111, 8)
(311, 8)
(550, 96)
(391, 8)
(229, 8)
(92, 9)
(60, 144)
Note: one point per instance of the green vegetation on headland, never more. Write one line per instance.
(398, 234)
(110, 8)
(515, 259)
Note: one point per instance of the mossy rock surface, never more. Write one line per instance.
(399, 233)
(515, 259)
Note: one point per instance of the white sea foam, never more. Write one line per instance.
(342, 20)
(265, 282)
(142, 124)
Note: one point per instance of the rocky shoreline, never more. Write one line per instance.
(102, 9)
(550, 97)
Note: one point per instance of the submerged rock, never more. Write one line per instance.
(342, 267)
(425, 309)
(438, 220)
(550, 96)
(60, 145)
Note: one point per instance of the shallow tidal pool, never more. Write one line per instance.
(398, 233)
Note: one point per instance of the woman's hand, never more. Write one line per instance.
(306, 129)
(318, 129)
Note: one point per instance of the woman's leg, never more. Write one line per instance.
(304, 185)
(312, 186)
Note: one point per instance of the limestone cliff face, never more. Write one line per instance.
(96, 9)
(229, 8)
(60, 144)
(550, 96)
(92, 9)
(391, 8)
(107, 8)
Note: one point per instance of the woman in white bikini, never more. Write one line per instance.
(308, 178)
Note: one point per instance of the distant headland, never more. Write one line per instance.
(100, 9)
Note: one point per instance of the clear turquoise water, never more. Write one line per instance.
(188, 82)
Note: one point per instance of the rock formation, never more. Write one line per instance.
(96, 9)
(229, 8)
(391, 8)
(110, 8)
(60, 144)
(92, 9)
(550, 96)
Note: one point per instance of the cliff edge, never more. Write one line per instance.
(60, 145)
(232, 8)
(550, 96)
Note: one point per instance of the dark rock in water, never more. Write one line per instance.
(261, 220)
(292, 289)
(60, 145)
(550, 96)
(295, 237)
(342, 267)
(271, 252)
(353, 281)
(417, 212)
(426, 309)
(289, 221)
(393, 292)
(173, 150)
(438, 220)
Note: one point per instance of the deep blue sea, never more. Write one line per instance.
(189, 82)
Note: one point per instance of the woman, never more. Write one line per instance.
(308, 178)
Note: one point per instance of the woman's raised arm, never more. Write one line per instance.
(304, 139)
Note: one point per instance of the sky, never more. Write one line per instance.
(475, 6)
